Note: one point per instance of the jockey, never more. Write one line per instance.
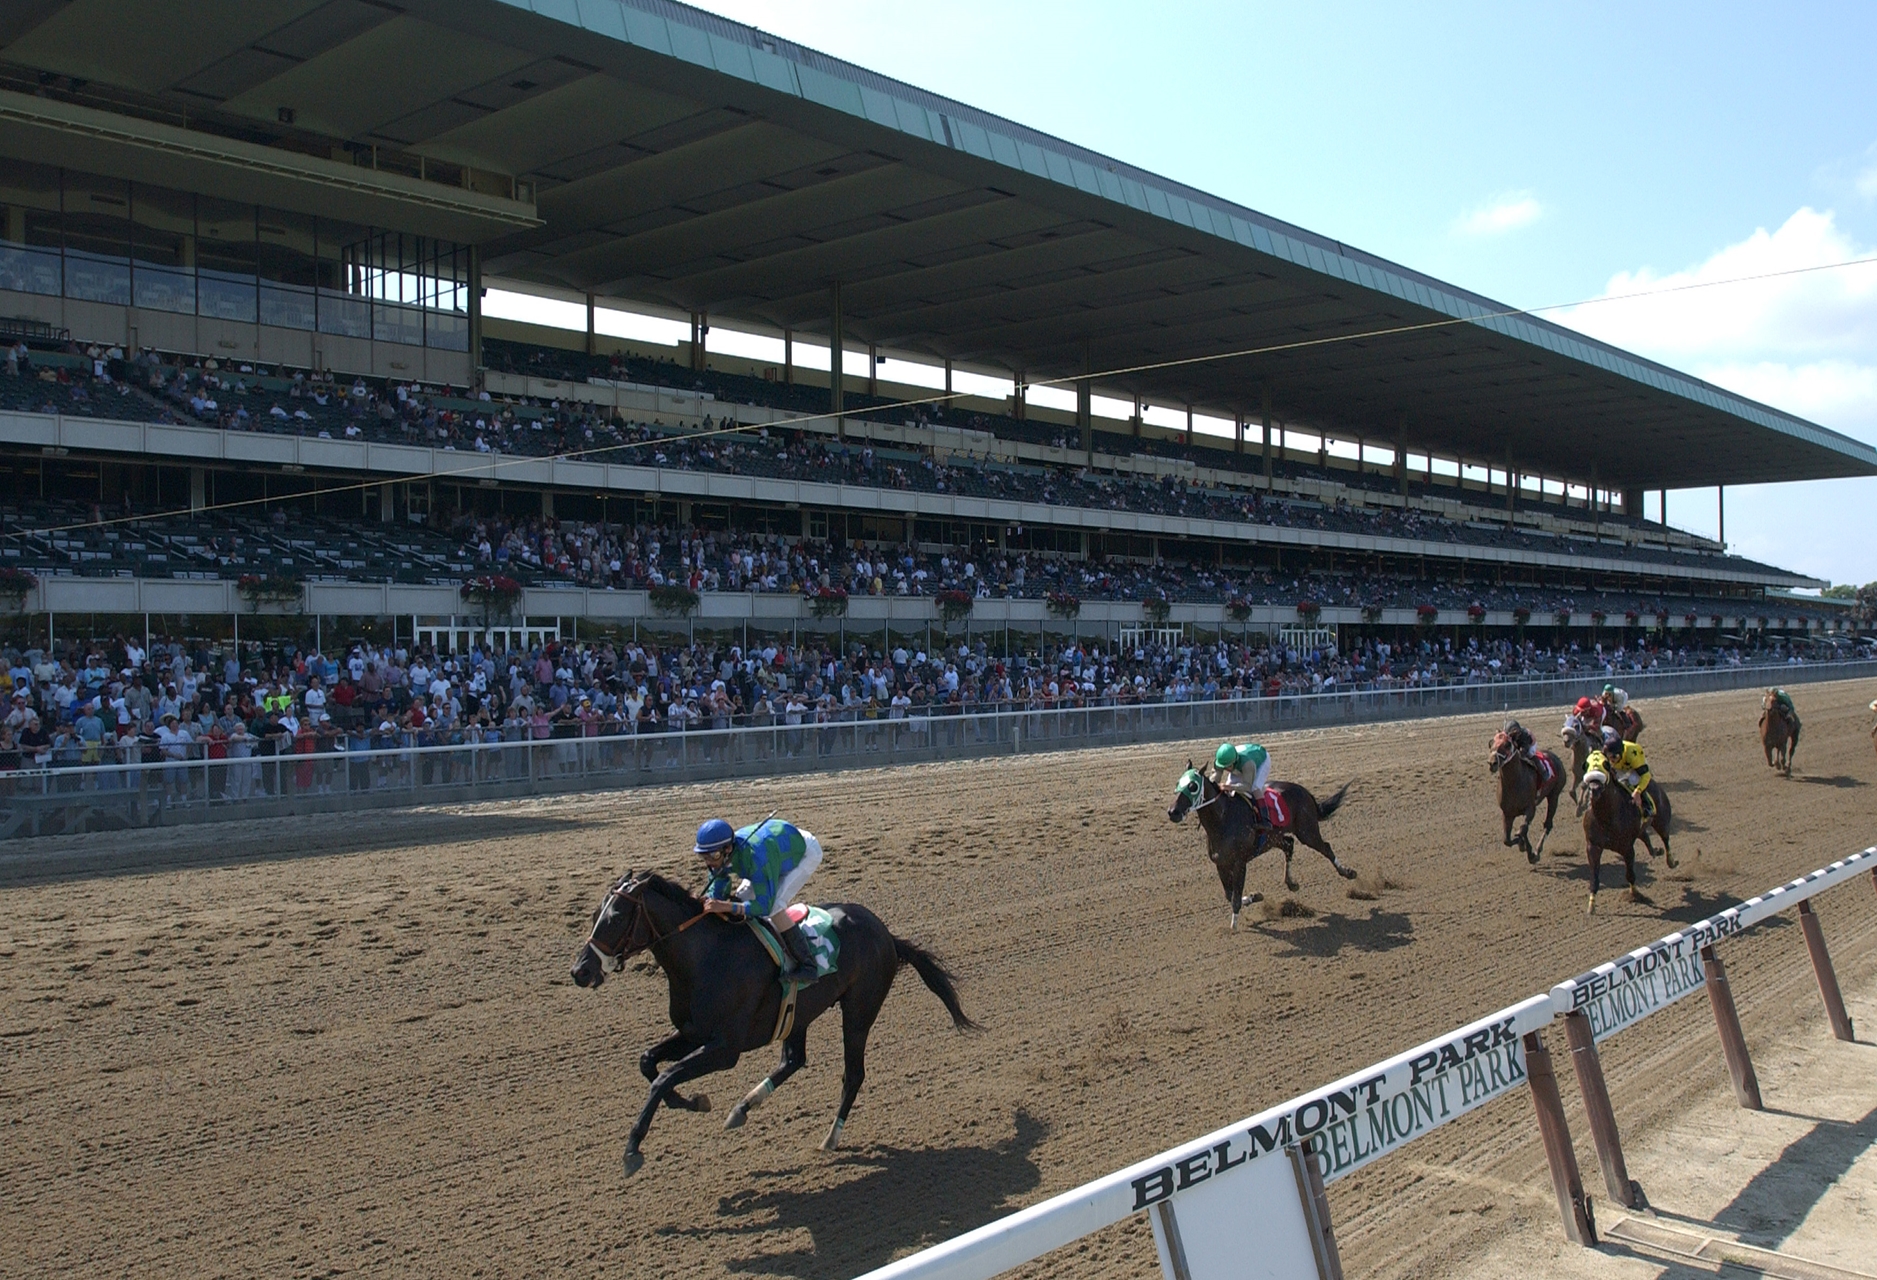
(1587, 718)
(1522, 739)
(1617, 711)
(773, 859)
(1783, 701)
(1614, 698)
(1628, 765)
(1230, 760)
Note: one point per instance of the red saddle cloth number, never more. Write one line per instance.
(1544, 772)
(1274, 809)
(797, 913)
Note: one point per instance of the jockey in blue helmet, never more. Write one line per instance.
(773, 859)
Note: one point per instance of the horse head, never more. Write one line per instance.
(1501, 751)
(629, 921)
(1192, 791)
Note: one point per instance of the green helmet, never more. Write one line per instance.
(1229, 756)
(1609, 688)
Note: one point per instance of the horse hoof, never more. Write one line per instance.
(1671, 859)
(1256, 897)
(701, 1104)
(1347, 873)
(1591, 910)
(833, 1139)
(1232, 926)
(736, 1118)
(634, 1163)
(1531, 857)
(1293, 885)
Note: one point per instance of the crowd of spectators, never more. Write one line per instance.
(109, 702)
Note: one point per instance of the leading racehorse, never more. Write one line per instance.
(1522, 784)
(1779, 733)
(726, 1001)
(1234, 837)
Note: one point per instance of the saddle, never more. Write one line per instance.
(817, 928)
(1274, 810)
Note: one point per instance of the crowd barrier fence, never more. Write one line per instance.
(394, 770)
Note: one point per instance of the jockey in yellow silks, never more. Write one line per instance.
(1626, 763)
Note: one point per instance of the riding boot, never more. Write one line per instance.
(803, 970)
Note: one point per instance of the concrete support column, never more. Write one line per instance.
(475, 307)
(387, 502)
(1662, 503)
(1401, 457)
(1019, 396)
(1632, 503)
(591, 348)
(1238, 433)
(1135, 421)
(1720, 514)
(198, 489)
(788, 357)
(700, 339)
(837, 386)
(1512, 486)
(1265, 419)
(873, 370)
(1189, 424)
(1085, 400)
(547, 504)
(948, 377)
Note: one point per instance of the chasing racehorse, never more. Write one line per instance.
(1579, 742)
(1234, 838)
(1522, 784)
(1613, 820)
(1779, 733)
(726, 1001)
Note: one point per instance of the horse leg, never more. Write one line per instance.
(1313, 837)
(1237, 896)
(794, 1057)
(1593, 853)
(1629, 869)
(1525, 832)
(856, 1023)
(665, 1050)
(1551, 813)
(715, 1056)
(1290, 876)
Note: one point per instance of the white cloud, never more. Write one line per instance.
(1805, 343)
(1504, 213)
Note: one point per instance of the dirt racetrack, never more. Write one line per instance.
(350, 1045)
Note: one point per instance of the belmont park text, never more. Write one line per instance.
(1348, 1127)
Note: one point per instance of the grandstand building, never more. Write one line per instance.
(248, 381)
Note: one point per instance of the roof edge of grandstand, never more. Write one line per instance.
(749, 54)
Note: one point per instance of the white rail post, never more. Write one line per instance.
(1827, 976)
(1733, 1040)
(1573, 1206)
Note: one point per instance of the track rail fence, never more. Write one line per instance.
(393, 769)
(1364, 1116)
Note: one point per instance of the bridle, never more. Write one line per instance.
(611, 961)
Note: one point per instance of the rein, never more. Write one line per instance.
(651, 923)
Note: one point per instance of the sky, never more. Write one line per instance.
(1538, 154)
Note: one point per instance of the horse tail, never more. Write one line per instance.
(937, 978)
(1326, 809)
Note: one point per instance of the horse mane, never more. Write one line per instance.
(670, 890)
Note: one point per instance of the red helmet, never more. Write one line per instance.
(1584, 704)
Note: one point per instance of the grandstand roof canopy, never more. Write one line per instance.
(682, 160)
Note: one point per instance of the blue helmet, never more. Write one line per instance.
(713, 836)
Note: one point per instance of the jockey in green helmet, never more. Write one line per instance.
(1231, 761)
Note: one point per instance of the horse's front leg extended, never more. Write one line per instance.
(664, 1051)
(706, 1058)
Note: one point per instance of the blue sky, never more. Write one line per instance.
(1537, 154)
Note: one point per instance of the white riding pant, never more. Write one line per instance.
(792, 882)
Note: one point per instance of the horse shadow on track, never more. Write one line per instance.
(1330, 935)
(902, 1197)
(1843, 781)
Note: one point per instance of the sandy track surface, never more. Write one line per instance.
(336, 1045)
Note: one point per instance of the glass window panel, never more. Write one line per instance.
(394, 323)
(344, 315)
(96, 225)
(29, 228)
(225, 260)
(287, 248)
(288, 306)
(163, 234)
(446, 330)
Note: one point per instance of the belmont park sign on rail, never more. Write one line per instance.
(1363, 1116)
(1629, 988)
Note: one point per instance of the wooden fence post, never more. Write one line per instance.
(1827, 976)
(1603, 1133)
(1573, 1206)
(1733, 1040)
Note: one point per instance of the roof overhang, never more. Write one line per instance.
(684, 161)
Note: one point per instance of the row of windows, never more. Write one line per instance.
(93, 239)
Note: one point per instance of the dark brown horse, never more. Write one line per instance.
(1234, 837)
(725, 999)
(1613, 820)
(1521, 786)
(1779, 734)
